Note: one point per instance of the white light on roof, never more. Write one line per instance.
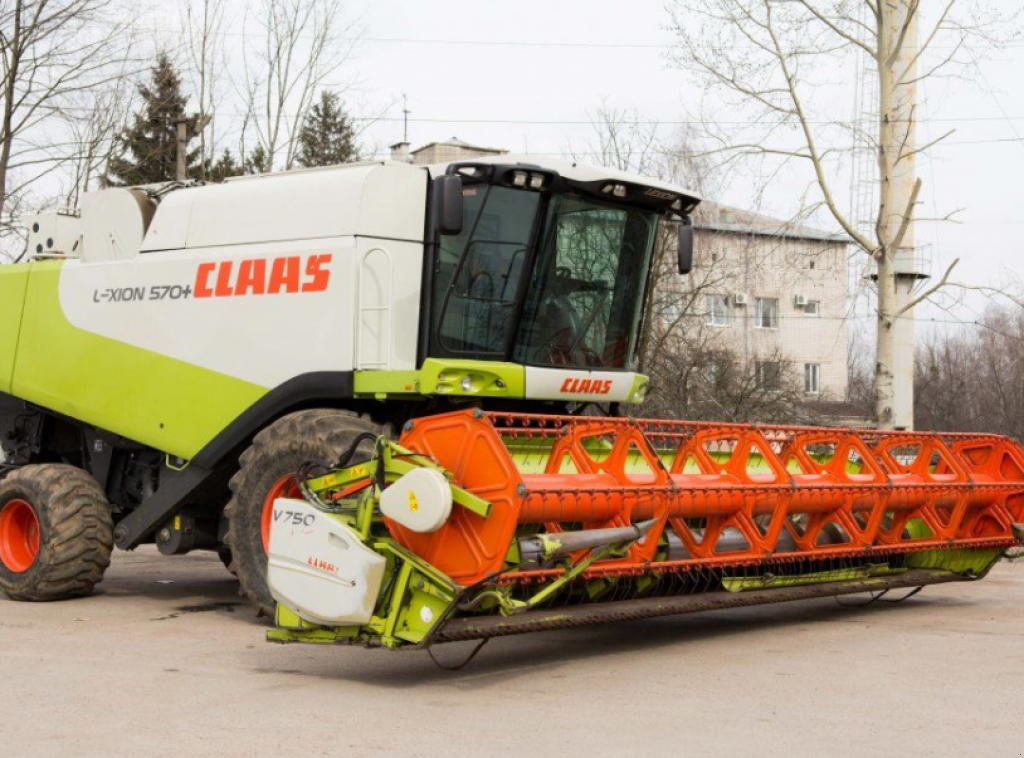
(519, 178)
(536, 181)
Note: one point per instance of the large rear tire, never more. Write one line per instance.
(56, 533)
(267, 472)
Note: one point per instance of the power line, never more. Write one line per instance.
(623, 122)
(539, 44)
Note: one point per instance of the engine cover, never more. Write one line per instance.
(320, 568)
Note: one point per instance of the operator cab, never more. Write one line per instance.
(549, 265)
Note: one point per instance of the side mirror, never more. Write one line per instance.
(685, 245)
(446, 202)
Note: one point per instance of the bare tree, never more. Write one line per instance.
(55, 55)
(972, 379)
(93, 127)
(621, 139)
(302, 44)
(695, 372)
(203, 24)
(771, 59)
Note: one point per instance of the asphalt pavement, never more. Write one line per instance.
(166, 660)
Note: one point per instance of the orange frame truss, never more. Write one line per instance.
(782, 489)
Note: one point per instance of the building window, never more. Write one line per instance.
(812, 378)
(715, 372)
(813, 308)
(672, 311)
(766, 313)
(717, 313)
(768, 374)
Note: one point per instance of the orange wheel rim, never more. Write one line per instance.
(286, 487)
(19, 536)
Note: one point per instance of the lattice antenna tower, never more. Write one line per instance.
(864, 155)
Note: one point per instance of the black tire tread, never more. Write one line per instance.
(78, 527)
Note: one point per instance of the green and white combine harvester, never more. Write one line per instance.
(402, 389)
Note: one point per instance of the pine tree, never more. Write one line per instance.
(223, 168)
(258, 162)
(327, 137)
(149, 145)
(227, 166)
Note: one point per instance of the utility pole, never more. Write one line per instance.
(900, 29)
(182, 126)
(405, 119)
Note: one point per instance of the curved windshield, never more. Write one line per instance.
(479, 272)
(584, 295)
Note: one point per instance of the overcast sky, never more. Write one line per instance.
(528, 75)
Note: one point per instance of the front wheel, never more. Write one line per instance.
(267, 472)
(56, 533)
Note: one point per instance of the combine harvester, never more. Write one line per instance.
(405, 387)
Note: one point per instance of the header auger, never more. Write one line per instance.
(562, 521)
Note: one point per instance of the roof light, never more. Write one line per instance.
(519, 178)
(536, 181)
(678, 204)
(620, 190)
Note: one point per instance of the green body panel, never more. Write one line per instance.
(13, 283)
(167, 404)
(384, 384)
(487, 379)
(957, 561)
(769, 581)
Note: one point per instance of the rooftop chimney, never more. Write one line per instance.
(400, 152)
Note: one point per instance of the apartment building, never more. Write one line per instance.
(772, 294)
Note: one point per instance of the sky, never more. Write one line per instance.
(529, 76)
(564, 58)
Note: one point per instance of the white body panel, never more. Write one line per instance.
(319, 568)
(385, 200)
(568, 384)
(349, 244)
(388, 284)
(113, 224)
(579, 172)
(53, 233)
(262, 339)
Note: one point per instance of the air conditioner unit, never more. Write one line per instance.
(799, 300)
(739, 299)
